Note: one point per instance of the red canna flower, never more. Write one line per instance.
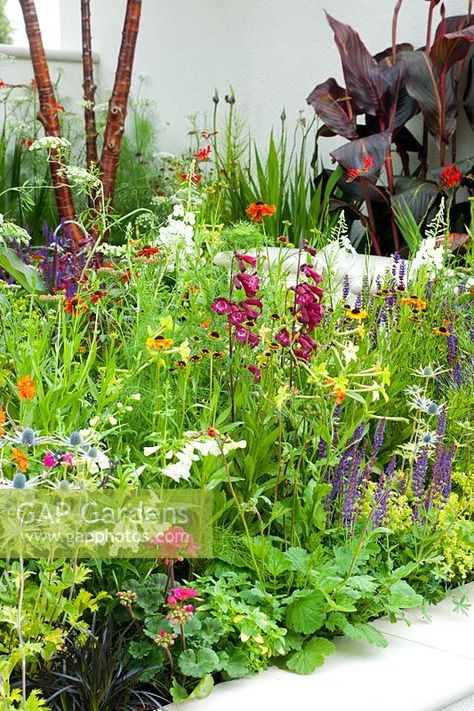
(258, 210)
(451, 176)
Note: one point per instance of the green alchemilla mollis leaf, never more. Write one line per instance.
(198, 663)
(307, 611)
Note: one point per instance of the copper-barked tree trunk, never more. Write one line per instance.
(48, 116)
(88, 86)
(118, 101)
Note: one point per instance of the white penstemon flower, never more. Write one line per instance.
(196, 445)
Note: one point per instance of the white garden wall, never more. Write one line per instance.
(272, 52)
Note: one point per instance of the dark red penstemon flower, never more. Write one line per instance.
(309, 271)
(221, 306)
(250, 283)
(256, 372)
(244, 259)
(451, 176)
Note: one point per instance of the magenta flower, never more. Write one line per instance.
(308, 248)
(308, 271)
(67, 459)
(244, 259)
(236, 318)
(221, 306)
(49, 460)
(250, 283)
(283, 338)
(256, 372)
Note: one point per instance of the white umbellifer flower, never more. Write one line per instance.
(178, 211)
(176, 238)
(49, 142)
(9, 231)
(80, 176)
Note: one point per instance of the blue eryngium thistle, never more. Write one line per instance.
(75, 439)
(28, 437)
(19, 481)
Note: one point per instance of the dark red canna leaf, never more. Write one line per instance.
(455, 23)
(332, 105)
(415, 194)
(422, 83)
(365, 82)
(365, 156)
(469, 93)
(451, 48)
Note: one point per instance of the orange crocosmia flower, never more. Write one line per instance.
(340, 396)
(20, 459)
(3, 419)
(26, 388)
(206, 323)
(258, 210)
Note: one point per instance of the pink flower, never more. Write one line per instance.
(67, 459)
(49, 460)
(308, 271)
(237, 317)
(308, 248)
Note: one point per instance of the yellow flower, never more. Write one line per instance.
(356, 314)
(184, 350)
(158, 343)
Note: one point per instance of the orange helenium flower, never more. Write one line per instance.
(20, 459)
(75, 306)
(3, 419)
(26, 388)
(258, 210)
(415, 303)
(159, 343)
